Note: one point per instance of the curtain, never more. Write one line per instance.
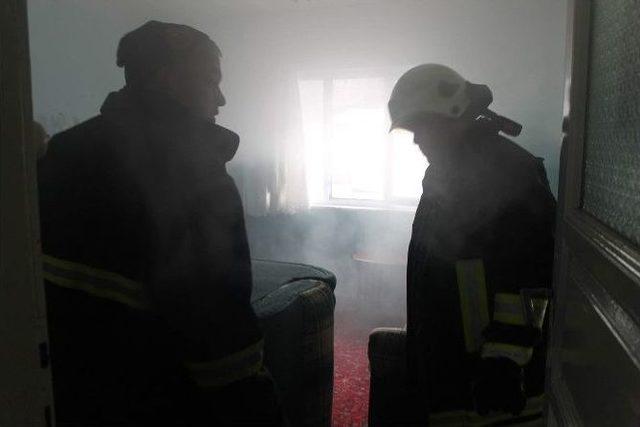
(272, 173)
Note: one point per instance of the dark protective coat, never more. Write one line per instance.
(493, 203)
(140, 193)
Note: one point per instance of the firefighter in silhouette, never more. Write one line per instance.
(146, 261)
(480, 257)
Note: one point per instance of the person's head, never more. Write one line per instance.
(176, 60)
(438, 106)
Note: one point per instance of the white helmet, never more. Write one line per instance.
(428, 89)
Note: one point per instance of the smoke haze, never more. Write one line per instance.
(270, 48)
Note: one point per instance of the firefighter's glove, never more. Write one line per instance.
(499, 386)
(508, 346)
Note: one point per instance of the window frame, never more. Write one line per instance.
(389, 201)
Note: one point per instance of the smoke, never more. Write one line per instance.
(516, 47)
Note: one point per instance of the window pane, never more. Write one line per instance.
(409, 165)
(358, 139)
(612, 151)
(358, 154)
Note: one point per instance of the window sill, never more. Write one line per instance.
(351, 205)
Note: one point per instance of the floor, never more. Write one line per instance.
(351, 381)
(354, 320)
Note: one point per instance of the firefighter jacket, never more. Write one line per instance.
(146, 265)
(484, 219)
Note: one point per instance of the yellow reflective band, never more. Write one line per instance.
(91, 271)
(508, 309)
(534, 406)
(95, 282)
(520, 355)
(231, 368)
(473, 301)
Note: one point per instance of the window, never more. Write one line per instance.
(351, 158)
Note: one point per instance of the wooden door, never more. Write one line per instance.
(594, 361)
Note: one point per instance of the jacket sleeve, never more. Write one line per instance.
(520, 266)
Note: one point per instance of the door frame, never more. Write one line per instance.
(26, 397)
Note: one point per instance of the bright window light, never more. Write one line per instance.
(351, 158)
(358, 154)
(408, 167)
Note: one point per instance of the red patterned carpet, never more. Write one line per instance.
(351, 380)
(355, 318)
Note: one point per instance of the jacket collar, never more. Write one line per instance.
(131, 108)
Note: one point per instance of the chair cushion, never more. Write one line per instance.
(387, 353)
(268, 276)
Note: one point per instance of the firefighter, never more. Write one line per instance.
(480, 257)
(146, 260)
